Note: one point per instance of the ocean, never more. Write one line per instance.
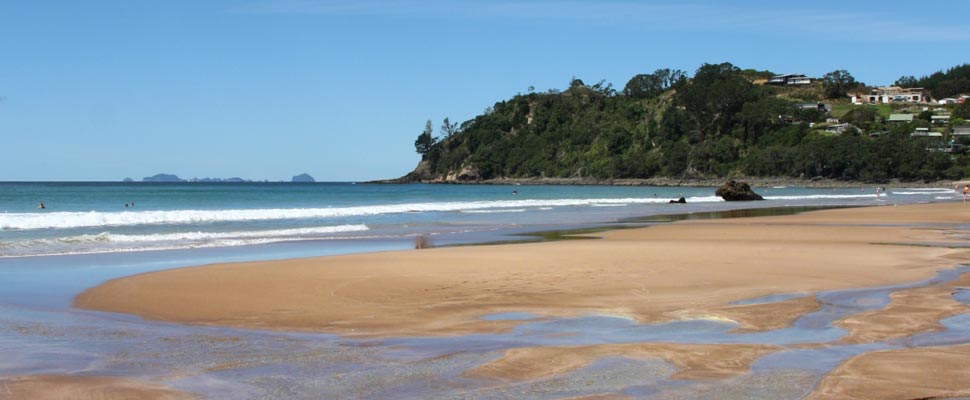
(85, 218)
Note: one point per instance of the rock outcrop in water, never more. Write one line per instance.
(737, 191)
(303, 178)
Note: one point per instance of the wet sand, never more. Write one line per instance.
(692, 361)
(668, 272)
(909, 312)
(917, 373)
(61, 387)
(692, 269)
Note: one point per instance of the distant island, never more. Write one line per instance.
(721, 122)
(169, 178)
(303, 178)
(162, 178)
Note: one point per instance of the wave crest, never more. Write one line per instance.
(128, 218)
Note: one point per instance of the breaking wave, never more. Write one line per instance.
(203, 236)
(112, 242)
(128, 218)
(54, 220)
(822, 196)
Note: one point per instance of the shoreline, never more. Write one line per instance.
(135, 294)
(688, 182)
(699, 271)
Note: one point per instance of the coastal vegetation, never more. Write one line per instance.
(721, 121)
(952, 82)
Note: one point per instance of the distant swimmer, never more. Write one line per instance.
(680, 200)
(42, 206)
(126, 205)
(515, 192)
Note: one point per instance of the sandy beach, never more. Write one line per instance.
(60, 387)
(679, 271)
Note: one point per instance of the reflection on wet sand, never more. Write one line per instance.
(84, 388)
(852, 320)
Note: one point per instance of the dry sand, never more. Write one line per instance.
(61, 387)
(689, 269)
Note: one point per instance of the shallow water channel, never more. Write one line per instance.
(228, 363)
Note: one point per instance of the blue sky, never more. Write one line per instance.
(266, 89)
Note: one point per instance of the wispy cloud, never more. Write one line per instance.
(823, 24)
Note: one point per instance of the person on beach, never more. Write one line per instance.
(680, 200)
(966, 191)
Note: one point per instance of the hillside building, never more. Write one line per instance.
(961, 130)
(789, 79)
(900, 118)
(891, 94)
(940, 119)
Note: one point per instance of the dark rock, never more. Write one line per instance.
(737, 191)
(303, 178)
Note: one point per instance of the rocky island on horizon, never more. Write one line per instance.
(172, 178)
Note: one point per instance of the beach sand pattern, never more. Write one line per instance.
(816, 304)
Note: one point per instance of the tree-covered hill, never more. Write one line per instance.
(953, 82)
(718, 122)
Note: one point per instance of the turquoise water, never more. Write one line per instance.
(122, 217)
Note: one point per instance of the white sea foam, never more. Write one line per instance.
(502, 210)
(48, 220)
(822, 196)
(49, 251)
(111, 242)
(108, 237)
(203, 236)
(127, 218)
(924, 192)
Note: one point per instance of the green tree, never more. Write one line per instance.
(448, 129)
(645, 86)
(716, 124)
(425, 140)
(942, 84)
(906, 81)
(837, 84)
(715, 97)
(962, 111)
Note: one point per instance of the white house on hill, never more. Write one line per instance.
(891, 94)
(789, 79)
